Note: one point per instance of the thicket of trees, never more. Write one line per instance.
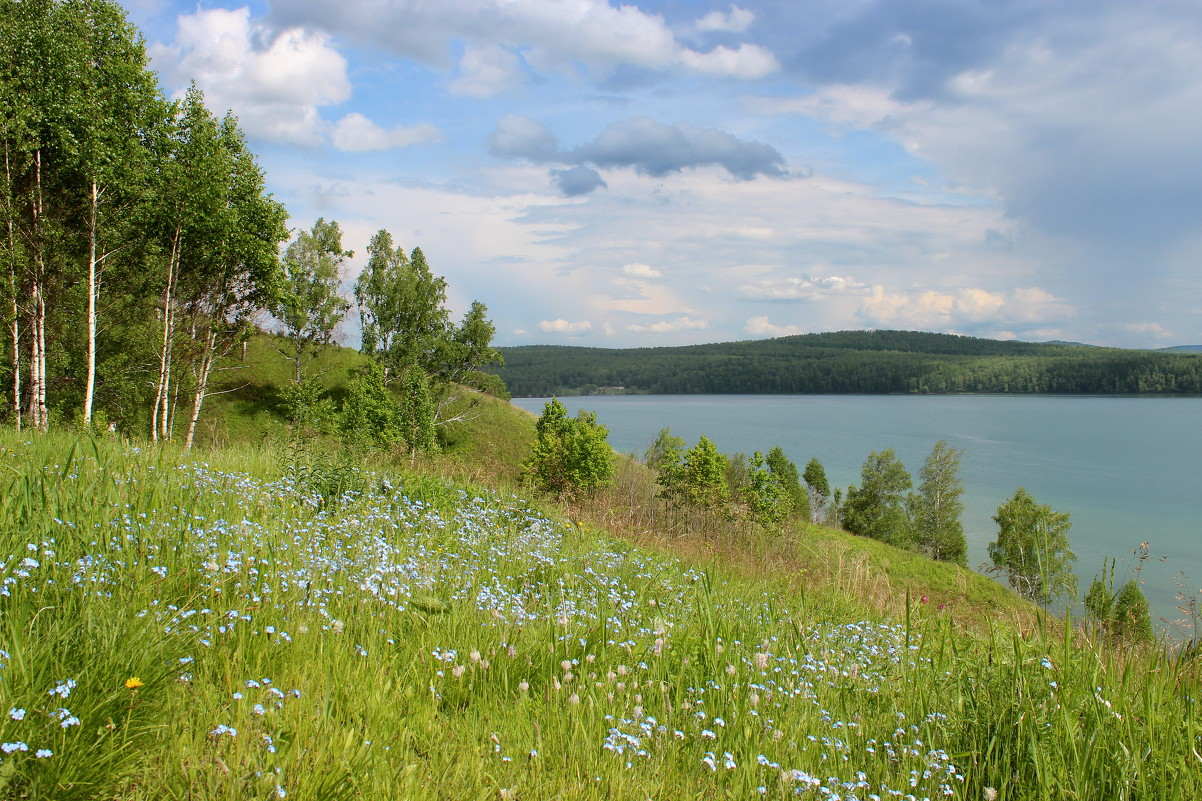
(870, 362)
(138, 238)
(140, 246)
(407, 329)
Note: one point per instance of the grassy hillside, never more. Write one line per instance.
(264, 619)
(226, 628)
(850, 362)
(487, 446)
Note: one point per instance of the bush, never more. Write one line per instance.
(569, 456)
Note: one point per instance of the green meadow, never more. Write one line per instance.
(259, 622)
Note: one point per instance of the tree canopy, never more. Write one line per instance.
(877, 507)
(1032, 549)
(936, 508)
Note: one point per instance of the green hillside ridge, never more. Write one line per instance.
(846, 362)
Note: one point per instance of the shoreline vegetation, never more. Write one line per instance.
(850, 363)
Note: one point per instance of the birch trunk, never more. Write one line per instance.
(202, 380)
(14, 308)
(93, 291)
(37, 310)
(158, 418)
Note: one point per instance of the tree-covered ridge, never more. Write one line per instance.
(870, 362)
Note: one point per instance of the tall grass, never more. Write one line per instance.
(236, 629)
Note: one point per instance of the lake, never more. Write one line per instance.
(1127, 469)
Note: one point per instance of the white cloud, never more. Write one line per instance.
(937, 310)
(747, 61)
(487, 70)
(1151, 329)
(798, 288)
(551, 36)
(357, 133)
(561, 326)
(521, 248)
(736, 20)
(668, 326)
(1078, 123)
(274, 83)
(761, 326)
(639, 270)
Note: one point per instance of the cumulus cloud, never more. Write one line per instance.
(578, 180)
(521, 137)
(1079, 123)
(761, 326)
(357, 133)
(736, 20)
(549, 35)
(800, 288)
(640, 270)
(941, 310)
(563, 327)
(486, 70)
(668, 326)
(655, 149)
(650, 148)
(745, 61)
(274, 82)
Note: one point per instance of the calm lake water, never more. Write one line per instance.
(1127, 470)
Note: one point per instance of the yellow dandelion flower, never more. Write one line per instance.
(133, 683)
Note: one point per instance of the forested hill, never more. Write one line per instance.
(873, 362)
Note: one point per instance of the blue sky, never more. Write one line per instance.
(678, 171)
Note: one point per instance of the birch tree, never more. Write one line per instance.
(114, 104)
(877, 508)
(1032, 549)
(237, 272)
(191, 197)
(936, 508)
(402, 309)
(309, 304)
(36, 63)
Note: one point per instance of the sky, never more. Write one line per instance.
(669, 172)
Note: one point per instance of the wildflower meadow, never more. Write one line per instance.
(175, 628)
